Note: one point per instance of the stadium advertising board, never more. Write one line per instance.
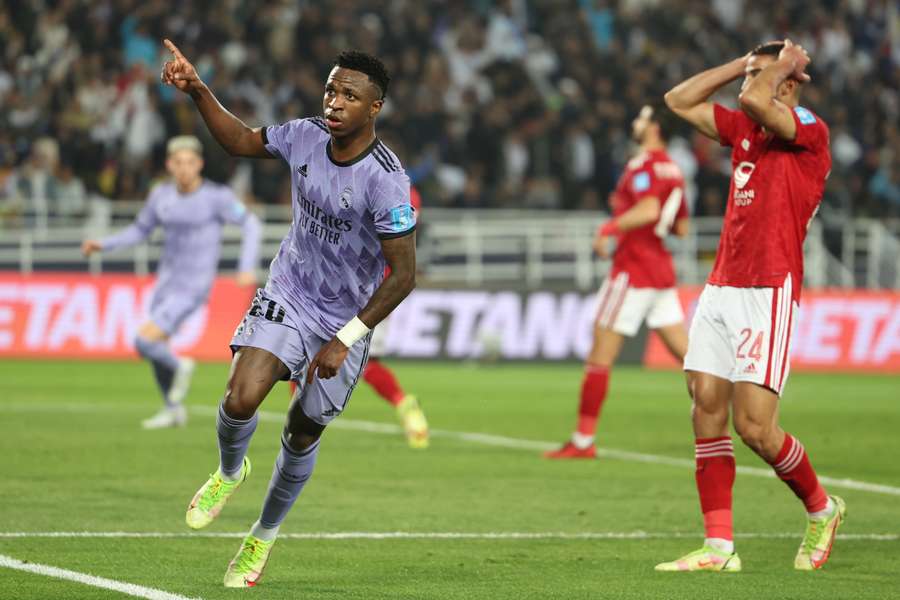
(80, 316)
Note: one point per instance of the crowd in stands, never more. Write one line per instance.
(516, 103)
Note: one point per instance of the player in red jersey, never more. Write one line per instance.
(739, 341)
(384, 381)
(648, 203)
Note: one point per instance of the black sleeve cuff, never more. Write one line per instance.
(394, 236)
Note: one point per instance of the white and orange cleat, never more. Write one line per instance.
(820, 533)
(704, 559)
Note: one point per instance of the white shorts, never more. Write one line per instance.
(743, 334)
(623, 309)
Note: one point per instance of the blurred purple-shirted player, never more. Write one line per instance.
(191, 211)
(326, 290)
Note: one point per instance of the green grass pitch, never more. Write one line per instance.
(75, 460)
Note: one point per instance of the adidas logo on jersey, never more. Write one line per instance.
(303, 170)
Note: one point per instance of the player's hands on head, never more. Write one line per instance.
(88, 247)
(799, 57)
(178, 71)
(327, 360)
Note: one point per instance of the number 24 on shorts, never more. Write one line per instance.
(755, 351)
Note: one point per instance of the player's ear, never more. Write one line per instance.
(375, 108)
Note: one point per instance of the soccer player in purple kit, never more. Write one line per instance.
(312, 322)
(191, 211)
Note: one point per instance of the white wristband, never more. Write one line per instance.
(352, 332)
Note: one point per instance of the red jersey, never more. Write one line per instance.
(641, 252)
(775, 192)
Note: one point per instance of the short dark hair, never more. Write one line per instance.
(365, 63)
(768, 49)
(663, 117)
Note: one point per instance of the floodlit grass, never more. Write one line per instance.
(76, 461)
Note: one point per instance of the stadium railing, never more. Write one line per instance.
(485, 248)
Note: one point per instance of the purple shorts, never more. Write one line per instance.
(273, 327)
(169, 311)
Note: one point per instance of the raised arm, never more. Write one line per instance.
(644, 212)
(689, 98)
(232, 134)
(759, 100)
(400, 254)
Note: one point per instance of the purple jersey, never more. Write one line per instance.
(192, 225)
(330, 263)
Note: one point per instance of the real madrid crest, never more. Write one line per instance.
(347, 197)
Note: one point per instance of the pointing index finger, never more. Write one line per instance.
(173, 49)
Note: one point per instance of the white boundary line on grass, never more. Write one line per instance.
(539, 446)
(91, 580)
(430, 535)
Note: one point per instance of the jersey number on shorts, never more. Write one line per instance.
(756, 349)
(272, 313)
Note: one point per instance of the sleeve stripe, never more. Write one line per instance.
(265, 136)
(381, 162)
(387, 155)
(320, 123)
(393, 236)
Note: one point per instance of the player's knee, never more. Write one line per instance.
(755, 435)
(298, 441)
(241, 398)
(142, 345)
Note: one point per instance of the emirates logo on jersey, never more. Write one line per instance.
(742, 174)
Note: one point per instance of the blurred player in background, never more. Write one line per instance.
(191, 211)
(647, 204)
(384, 381)
(326, 289)
(739, 342)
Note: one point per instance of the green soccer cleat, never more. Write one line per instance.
(704, 559)
(211, 498)
(246, 568)
(414, 422)
(820, 533)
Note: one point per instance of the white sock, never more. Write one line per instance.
(825, 512)
(581, 440)
(266, 535)
(720, 544)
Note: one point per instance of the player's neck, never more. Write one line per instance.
(190, 188)
(653, 146)
(348, 149)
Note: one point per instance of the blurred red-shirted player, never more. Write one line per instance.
(648, 204)
(384, 381)
(739, 341)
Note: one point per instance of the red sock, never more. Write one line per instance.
(793, 467)
(383, 380)
(593, 393)
(715, 478)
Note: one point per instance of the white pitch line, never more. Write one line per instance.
(539, 446)
(91, 580)
(431, 535)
